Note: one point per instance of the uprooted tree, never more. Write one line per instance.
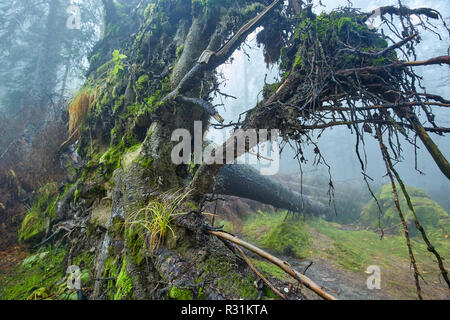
(336, 71)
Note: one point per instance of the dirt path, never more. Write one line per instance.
(342, 284)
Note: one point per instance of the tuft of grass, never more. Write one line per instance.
(155, 218)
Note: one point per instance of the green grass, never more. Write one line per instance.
(355, 250)
(352, 250)
(278, 233)
(269, 269)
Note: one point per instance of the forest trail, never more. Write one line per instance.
(346, 277)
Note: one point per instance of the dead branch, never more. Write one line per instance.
(404, 11)
(389, 167)
(259, 274)
(73, 137)
(396, 65)
(282, 264)
(208, 107)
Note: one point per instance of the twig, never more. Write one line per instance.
(307, 267)
(437, 60)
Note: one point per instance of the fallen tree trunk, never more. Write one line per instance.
(246, 182)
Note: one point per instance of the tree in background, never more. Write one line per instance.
(43, 58)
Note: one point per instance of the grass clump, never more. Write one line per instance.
(153, 221)
(357, 249)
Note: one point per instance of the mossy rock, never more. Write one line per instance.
(431, 216)
(38, 217)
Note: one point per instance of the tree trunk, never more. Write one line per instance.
(246, 182)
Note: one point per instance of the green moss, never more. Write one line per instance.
(298, 62)
(148, 12)
(270, 89)
(180, 294)
(252, 9)
(331, 30)
(201, 294)
(270, 269)
(142, 82)
(40, 276)
(134, 239)
(94, 59)
(431, 216)
(36, 221)
(145, 162)
(118, 104)
(111, 159)
(275, 232)
(180, 50)
(228, 280)
(124, 284)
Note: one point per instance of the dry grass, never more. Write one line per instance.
(155, 218)
(79, 107)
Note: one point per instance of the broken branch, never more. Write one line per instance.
(208, 107)
(280, 263)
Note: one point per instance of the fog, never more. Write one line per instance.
(247, 72)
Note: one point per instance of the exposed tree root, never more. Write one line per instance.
(389, 165)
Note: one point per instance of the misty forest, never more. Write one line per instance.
(345, 196)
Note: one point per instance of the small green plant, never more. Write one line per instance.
(118, 59)
(155, 218)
